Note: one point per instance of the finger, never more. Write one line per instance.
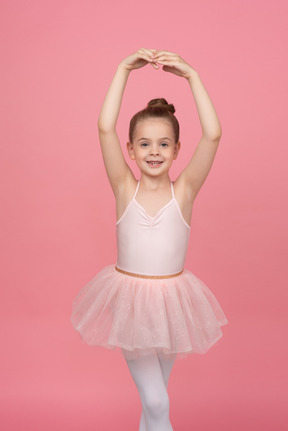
(164, 51)
(148, 49)
(166, 54)
(143, 56)
(147, 52)
(159, 53)
(154, 65)
(166, 58)
(172, 63)
(151, 50)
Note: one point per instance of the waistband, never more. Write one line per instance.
(132, 274)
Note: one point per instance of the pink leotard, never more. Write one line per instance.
(152, 245)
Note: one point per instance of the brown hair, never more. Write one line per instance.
(156, 108)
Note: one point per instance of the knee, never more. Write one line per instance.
(157, 405)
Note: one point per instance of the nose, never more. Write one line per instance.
(154, 150)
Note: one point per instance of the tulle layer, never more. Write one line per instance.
(174, 316)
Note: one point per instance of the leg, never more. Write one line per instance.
(166, 368)
(142, 425)
(147, 375)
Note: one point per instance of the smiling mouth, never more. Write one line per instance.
(153, 162)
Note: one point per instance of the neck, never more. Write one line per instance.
(154, 183)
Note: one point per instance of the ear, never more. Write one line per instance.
(176, 150)
(130, 150)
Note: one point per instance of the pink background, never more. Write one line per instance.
(57, 209)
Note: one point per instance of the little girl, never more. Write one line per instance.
(147, 304)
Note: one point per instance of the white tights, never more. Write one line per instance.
(151, 374)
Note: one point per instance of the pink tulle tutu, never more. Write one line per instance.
(178, 315)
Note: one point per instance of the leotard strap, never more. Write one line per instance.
(137, 187)
(172, 190)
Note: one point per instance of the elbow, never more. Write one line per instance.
(216, 136)
(213, 137)
(104, 128)
(217, 133)
(101, 126)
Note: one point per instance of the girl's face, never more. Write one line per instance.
(154, 147)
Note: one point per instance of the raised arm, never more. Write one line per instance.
(200, 164)
(116, 167)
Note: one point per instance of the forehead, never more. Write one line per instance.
(153, 127)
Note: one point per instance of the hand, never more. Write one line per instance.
(139, 59)
(173, 63)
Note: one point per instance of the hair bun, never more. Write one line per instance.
(161, 103)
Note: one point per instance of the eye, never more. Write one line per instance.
(164, 144)
(144, 144)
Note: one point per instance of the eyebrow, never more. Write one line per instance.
(147, 139)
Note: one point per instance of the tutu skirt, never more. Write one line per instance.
(173, 316)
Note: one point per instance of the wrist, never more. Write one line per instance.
(192, 75)
(193, 78)
(123, 68)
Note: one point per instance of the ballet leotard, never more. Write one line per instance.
(147, 302)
